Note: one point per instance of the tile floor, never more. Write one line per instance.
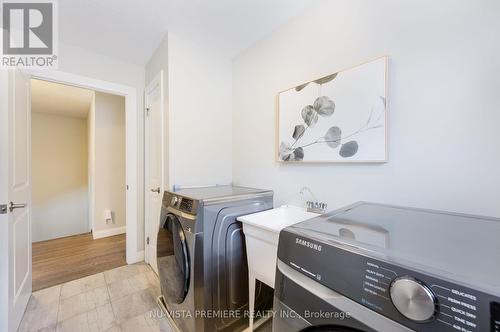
(122, 299)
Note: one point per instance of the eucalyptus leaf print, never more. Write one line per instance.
(309, 115)
(337, 117)
(326, 79)
(348, 149)
(333, 137)
(285, 151)
(319, 81)
(300, 87)
(298, 154)
(298, 132)
(324, 106)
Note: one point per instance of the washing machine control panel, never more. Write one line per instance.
(417, 300)
(413, 299)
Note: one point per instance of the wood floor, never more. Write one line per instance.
(69, 258)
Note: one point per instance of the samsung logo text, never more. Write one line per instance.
(308, 244)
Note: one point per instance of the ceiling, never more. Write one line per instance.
(60, 99)
(130, 30)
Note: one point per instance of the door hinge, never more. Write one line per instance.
(147, 111)
(147, 240)
(3, 208)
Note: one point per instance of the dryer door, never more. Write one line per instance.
(173, 260)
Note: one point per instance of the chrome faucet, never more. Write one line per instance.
(313, 205)
(316, 207)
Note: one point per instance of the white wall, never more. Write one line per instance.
(200, 114)
(88, 63)
(109, 161)
(444, 76)
(59, 176)
(197, 93)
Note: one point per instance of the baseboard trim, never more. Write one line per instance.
(135, 257)
(109, 232)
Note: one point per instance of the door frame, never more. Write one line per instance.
(4, 173)
(132, 116)
(157, 81)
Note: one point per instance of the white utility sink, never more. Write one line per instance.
(262, 231)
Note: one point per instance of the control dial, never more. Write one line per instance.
(174, 200)
(413, 299)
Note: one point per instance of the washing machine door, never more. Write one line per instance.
(287, 319)
(173, 260)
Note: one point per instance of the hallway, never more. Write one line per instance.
(73, 257)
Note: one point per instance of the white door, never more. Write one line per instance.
(154, 185)
(16, 188)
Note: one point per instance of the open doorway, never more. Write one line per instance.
(79, 182)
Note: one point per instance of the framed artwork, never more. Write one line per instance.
(341, 117)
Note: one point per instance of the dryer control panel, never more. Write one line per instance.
(180, 203)
(419, 301)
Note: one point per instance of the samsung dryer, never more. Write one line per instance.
(201, 256)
